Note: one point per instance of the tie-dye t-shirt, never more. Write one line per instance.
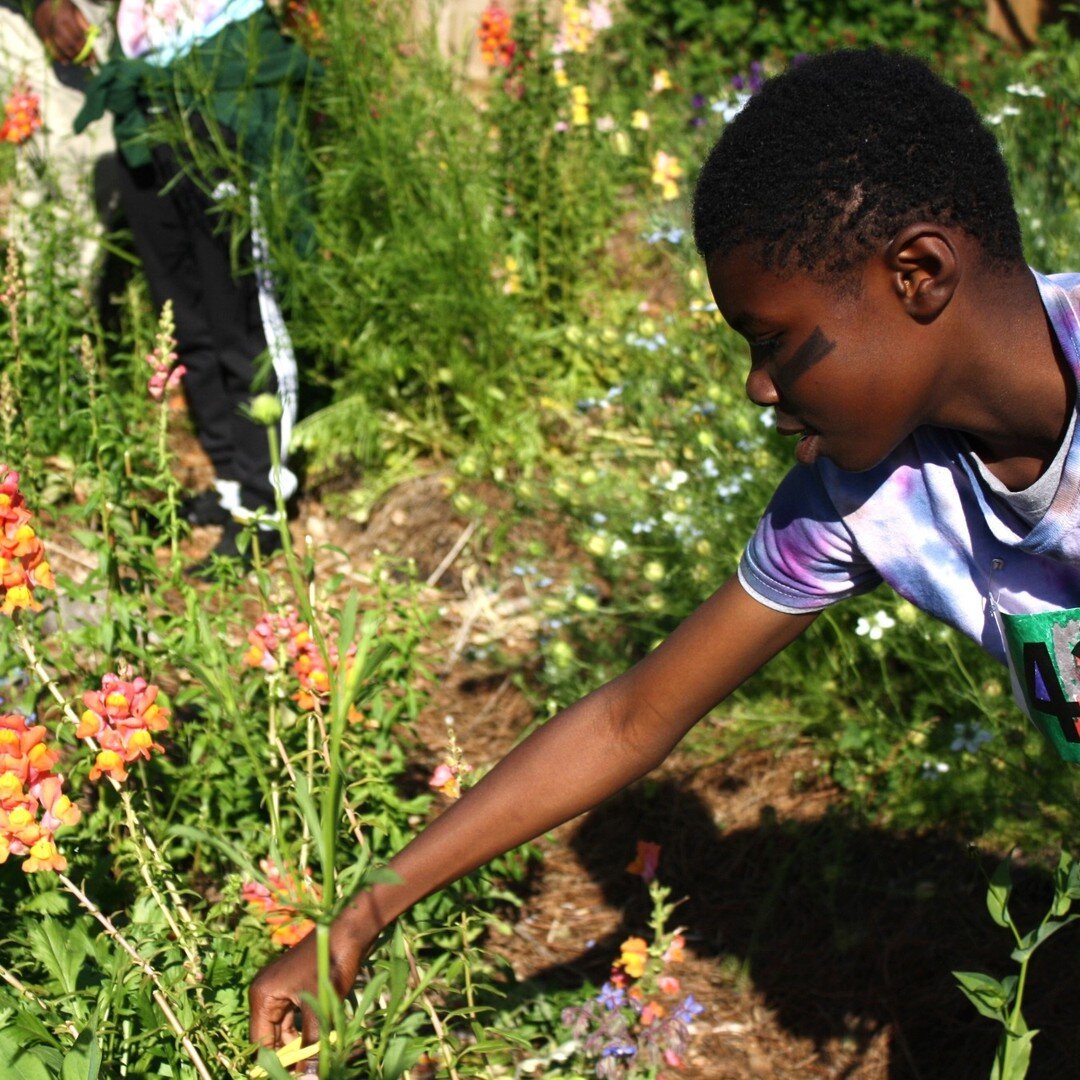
(924, 522)
(159, 31)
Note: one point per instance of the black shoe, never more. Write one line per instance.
(204, 508)
(227, 550)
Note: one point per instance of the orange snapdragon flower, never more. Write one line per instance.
(445, 781)
(675, 952)
(44, 856)
(121, 716)
(29, 788)
(497, 47)
(23, 566)
(273, 631)
(22, 115)
(278, 903)
(634, 953)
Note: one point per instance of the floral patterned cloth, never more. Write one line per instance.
(159, 31)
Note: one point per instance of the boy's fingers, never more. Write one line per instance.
(271, 1020)
(288, 1030)
(310, 1024)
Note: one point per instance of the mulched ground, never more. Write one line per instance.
(820, 945)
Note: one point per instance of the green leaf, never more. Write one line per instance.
(1072, 886)
(399, 972)
(311, 812)
(997, 896)
(52, 902)
(60, 951)
(83, 1061)
(234, 852)
(371, 992)
(400, 1055)
(1030, 942)
(1062, 900)
(1013, 1056)
(17, 1061)
(989, 996)
(268, 1061)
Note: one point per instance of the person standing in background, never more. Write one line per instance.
(188, 78)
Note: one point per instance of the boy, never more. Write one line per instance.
(858, 229)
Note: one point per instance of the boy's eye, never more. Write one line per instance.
(766, 346)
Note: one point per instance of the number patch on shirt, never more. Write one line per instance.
(1044, 657)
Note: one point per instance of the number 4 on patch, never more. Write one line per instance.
(1044, 690)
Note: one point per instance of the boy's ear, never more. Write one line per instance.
(923, 262)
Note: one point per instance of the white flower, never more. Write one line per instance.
(729, 108)
(875, 626)
(1001, 114)
(1022, 90)
(600, 16)
(676, 480)
(931, 770)
(768, 418)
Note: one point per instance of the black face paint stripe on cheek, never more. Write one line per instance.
(812, 351)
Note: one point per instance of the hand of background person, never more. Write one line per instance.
(62, 27)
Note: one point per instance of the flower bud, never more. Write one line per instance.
(265, 409)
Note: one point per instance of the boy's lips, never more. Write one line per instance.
(808, 447)
(809, 444)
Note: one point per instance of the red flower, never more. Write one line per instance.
(22, 115)
(497, 47)
(646, 861)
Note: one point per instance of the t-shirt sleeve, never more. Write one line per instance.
(802, 557)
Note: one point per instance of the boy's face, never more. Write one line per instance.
(846, 373)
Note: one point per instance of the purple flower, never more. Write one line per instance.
(688, 1009)
(618, 1050)
(738, 82)
(757, 77)
(611, 997)
(697, 121)
(698, 101)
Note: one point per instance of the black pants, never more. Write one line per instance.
(221, 321)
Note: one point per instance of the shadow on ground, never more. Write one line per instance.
(845, 929)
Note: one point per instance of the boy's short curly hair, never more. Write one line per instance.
(832, 158)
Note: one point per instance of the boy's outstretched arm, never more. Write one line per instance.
(585, 754)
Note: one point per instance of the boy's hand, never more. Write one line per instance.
(275, 995)
(607, 740)
(62, 27)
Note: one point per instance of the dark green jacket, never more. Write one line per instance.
(249, 78)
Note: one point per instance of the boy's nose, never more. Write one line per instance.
(760, 388)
